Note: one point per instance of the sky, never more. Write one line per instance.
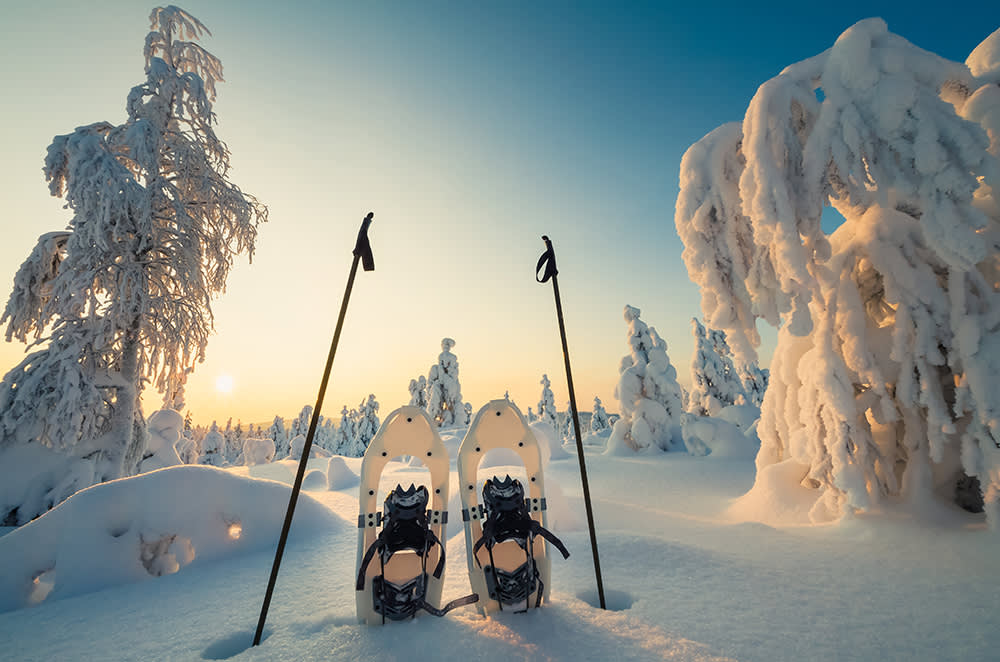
(470, 130)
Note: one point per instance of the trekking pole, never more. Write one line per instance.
(362, 252)
(548, 262)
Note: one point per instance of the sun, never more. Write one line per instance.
(224, 384)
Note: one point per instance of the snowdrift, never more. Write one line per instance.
(146, 526)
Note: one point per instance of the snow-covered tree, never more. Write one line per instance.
(347, 434)
(531, 416)
(279, 436)
(567, 434)
(418, 392)
(649, 397)
(124, 293)
(755, 382)
(325, 434)
(165, 427)
(715, 380)
(599, 417)
(882, 380)
(547, 404)
(301, 423)
(257, 451)
(213, 448)
(444, 392)
(368, 422)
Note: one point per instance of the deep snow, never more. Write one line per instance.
(685, 578)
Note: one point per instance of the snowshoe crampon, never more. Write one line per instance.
(507, 557)
(406, 536)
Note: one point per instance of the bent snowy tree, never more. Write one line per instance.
(890, 325)
(122, 298)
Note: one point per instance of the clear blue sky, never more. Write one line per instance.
(470, 129)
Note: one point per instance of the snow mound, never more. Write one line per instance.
(777, 497)
(148, 525)
(314, 480)
(716, 437)
(742, 416)
(339, 476)
(548, 441)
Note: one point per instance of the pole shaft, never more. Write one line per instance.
(296, 488)
(579, 444)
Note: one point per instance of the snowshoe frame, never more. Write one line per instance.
(500, 424)
(406, 431)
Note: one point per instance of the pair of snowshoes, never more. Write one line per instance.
(506, 561)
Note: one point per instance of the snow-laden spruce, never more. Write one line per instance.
(124, 293)
(715, 381)
(755, 380)
(213, 448)
(444, 392)
(418, 392)
(165, 428)
(547, 404)
(649, 397)
(368, 422)
(599, 417)
(279, 436)
(890, 326)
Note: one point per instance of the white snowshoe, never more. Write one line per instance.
(406, 537)
(507, 560)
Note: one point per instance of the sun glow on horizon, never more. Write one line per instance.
(224, 384)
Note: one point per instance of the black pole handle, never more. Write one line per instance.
(548, 261)
(362, 247)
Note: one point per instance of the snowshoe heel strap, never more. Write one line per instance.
(369, 555)
(433, 540)
(539, 530)
(458, 602)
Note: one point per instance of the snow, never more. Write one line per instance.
(984, 60)
(693, 570)
(150, 525)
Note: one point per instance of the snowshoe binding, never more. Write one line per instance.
(508, 519)
(403, 547)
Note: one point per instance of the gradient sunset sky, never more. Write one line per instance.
(470, 129)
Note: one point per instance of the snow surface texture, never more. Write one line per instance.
(719, 586)
(890, 326)
(149, 525)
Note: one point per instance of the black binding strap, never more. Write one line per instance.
(362, 248)
(539, 530)
(458, 602)
(369, 555)
(548, 261)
